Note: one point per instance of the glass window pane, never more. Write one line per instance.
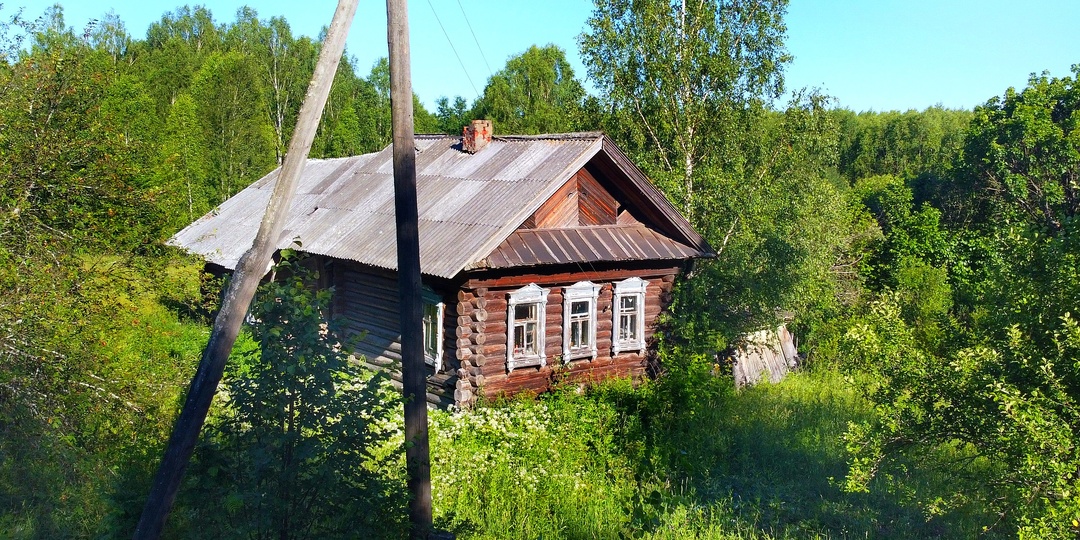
(525, 311)
(519, 338)
(628, 303)
(530, 338)
(579, 308)
(431, 329)
(526, 322)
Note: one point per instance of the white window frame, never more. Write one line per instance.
(581, 291)
(634, 286)
(529, 294)
(433, 358)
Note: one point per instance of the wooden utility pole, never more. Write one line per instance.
(417, 453)
(250, 269)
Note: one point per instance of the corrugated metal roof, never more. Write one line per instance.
(584, 245)
(468, 203)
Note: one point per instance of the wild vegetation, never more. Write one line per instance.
(930, 259)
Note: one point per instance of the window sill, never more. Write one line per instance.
(584, 355)
(431, 362)
(527, 361)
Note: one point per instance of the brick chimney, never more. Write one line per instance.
(476, 136)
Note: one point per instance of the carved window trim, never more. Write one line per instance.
(632, 317)
(531, 294)
(580, 292)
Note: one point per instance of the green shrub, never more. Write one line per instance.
(297, 449)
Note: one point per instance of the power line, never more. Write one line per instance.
(477, 41)
(451, 42)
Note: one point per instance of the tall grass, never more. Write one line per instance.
(683, 457)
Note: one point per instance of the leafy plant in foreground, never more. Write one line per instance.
(1005, 410)
(300, 448)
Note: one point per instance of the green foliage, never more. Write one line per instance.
(452, 118)
(65, 172)
(183, 172)
(913, 238)
(1023, 152)
(681, 77)
(988, 373)
(85, 403)
(232, 110)
(778, 224)
(684, 456)
(924, 149)
(110, 144)
(1007, 409)
(930, 255)
(906, 145)
(687, 87)
(286, 65)
(90, 361)
(534, 469)
(296, 451)
(535, 93)
(174, 49)
(423, 120)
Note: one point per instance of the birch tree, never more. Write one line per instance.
(680, 71)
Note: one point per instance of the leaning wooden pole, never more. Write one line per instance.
(250, 269)
(417, 454)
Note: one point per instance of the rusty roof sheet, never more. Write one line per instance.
(585, 245)
(468, 203)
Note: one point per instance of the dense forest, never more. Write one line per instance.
(929, 261)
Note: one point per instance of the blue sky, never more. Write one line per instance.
(868, 54)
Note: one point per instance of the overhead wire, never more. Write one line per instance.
(451, 42)
(477, 41)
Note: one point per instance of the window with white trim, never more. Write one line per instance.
(433, 326)
(628, 315)
(525, 327)
(579, 320)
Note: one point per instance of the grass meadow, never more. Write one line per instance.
(686, 456)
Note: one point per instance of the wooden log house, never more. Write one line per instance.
(541, 256)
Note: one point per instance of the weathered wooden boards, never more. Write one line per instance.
(765, 354)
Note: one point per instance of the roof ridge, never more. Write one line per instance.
(571, 136)
(580, 227)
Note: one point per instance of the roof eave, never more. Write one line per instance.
(671, 215)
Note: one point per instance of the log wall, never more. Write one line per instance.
(470, 319)
(475, 332)
(483, 352)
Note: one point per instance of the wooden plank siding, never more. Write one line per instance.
(367, 301)
(561, 210)
(597, 206)
(583, 201)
